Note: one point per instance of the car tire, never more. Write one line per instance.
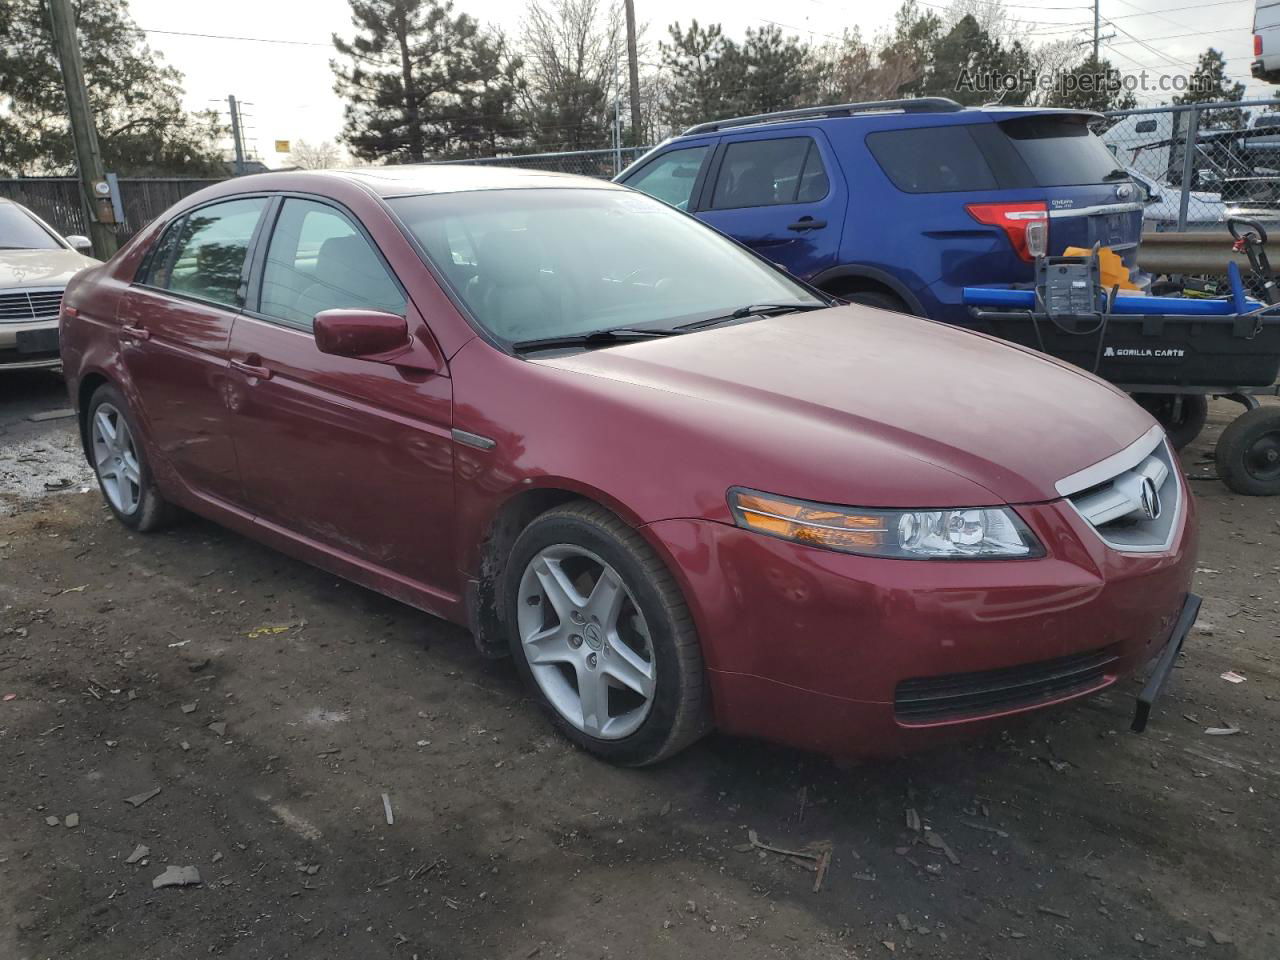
(878, 299)
(1189, 422)
(574, 654)
(119, 461)
(1248, 453)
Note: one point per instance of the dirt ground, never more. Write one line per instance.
(273, 707)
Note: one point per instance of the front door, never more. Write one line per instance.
(175, 325)
(782, 195)
(350, 455)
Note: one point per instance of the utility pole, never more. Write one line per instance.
(236, 137)
(1096, 23)
(93, 178)
(633, 67)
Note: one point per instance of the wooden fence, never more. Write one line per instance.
(56, 200)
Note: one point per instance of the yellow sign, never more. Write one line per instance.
(282, 146)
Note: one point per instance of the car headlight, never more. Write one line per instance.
(961, 533)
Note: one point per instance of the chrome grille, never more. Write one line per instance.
(22, 306)
(1132, 500)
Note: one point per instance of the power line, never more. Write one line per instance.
(223, 36)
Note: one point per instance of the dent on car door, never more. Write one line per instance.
(352, 455)
(783, 196)
(174, 326)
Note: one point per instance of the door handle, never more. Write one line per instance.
(135, 333)
(806, 223)
(252, 370)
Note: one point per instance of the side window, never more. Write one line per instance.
(206, 259)
(932, 159)
(671, 176)
(814, 184)
(1145, 126)
(318, 260)
(158, 266)
(758, 173)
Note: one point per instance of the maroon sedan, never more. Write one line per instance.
(679, 488)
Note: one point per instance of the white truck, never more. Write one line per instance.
(1266, 41)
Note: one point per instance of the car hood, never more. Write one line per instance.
(874, 408)
(40, 268)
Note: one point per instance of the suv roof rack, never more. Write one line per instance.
(908, 105)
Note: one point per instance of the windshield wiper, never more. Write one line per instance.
(753, 310)
(591, 338)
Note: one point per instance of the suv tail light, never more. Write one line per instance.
(1257, 44)
(1026, 224)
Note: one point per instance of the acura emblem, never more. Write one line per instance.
(1150, 499)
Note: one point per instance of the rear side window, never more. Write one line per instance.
(932, 159)
(671, 176)
(203, 255)
(1061, 151)
(759, 173)
(317, 261)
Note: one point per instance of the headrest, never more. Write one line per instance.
(509, 258)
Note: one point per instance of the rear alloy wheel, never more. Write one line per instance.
(120, 463)
(601, 634)
(1248, 453)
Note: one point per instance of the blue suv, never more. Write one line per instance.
(900, 204)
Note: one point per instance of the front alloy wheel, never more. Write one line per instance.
(602, 636)
(586, 642)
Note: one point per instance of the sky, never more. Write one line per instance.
(283, 78)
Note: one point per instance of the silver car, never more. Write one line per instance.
(35, 265)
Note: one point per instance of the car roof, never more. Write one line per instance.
(413, 179)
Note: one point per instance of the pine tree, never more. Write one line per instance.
(698, 89)
(1208, 84)
(1089, 85)
(421, 82)
(137, 99)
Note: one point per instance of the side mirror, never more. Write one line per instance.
(81, 244)
(370, 335)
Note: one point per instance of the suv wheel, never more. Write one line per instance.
(603, 638)
(121, 463)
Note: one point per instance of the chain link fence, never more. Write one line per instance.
(603, 164)
(1201, 163)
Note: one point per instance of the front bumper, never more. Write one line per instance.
(814, 648)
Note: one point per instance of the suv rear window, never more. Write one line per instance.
(1061, 151)
(932, 159)
(1035, 151)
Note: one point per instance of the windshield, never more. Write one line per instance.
(19, 232)
(534, 264)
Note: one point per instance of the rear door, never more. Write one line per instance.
(351, 456)
(782, 194)
(175, 323)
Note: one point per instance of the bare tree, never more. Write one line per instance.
(573, 52)
(319, 156)
(853, 69)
